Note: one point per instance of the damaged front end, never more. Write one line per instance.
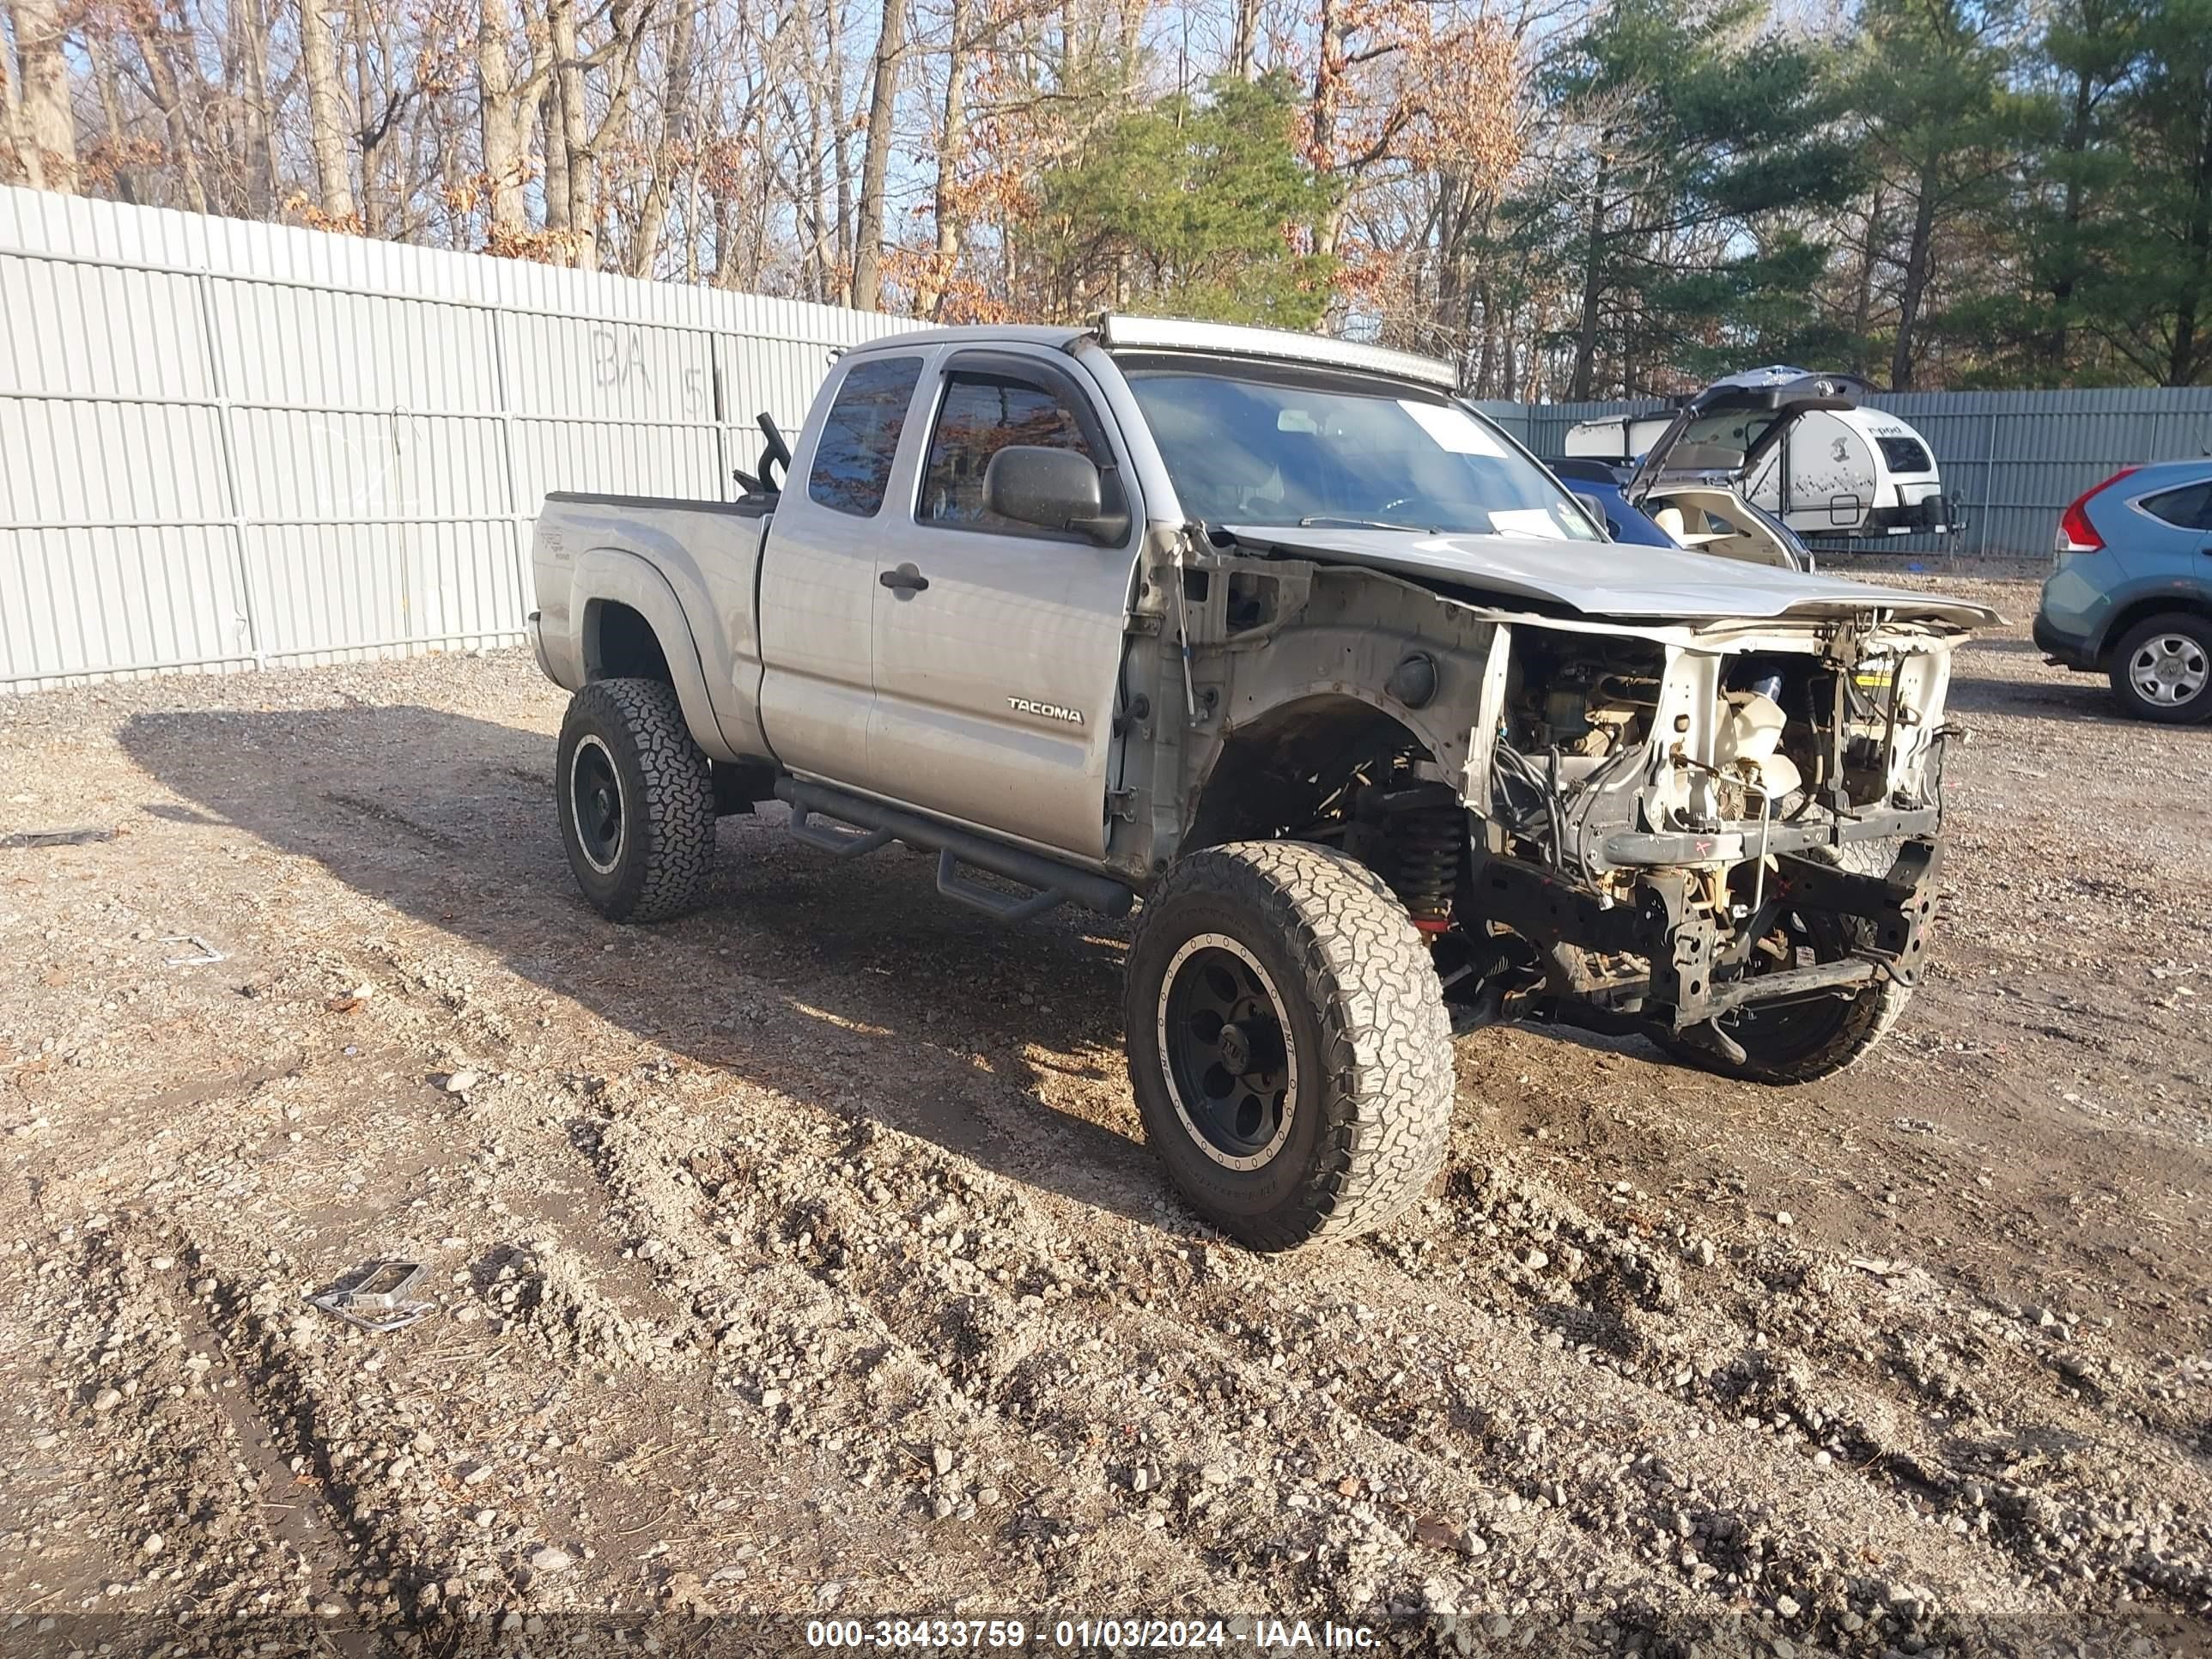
(1677, 826)
(1721, 834)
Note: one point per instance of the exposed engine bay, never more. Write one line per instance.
(1608, 751)
(1630, 827)
(1672, 816)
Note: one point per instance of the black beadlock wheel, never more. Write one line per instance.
(1225, 1044)
(636, 801)
(1288, 1043)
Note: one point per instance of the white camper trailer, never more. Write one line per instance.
(1834, 472)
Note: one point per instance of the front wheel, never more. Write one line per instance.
(1813, 1037)
(636, 799)
(2162, 669)
(1288, 1043)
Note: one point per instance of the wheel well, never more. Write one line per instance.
(1285, 771)
(2142, 610)
(619, 644)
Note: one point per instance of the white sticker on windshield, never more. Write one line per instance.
(1454, 429)
(1527, 521)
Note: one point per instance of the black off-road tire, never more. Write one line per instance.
(2197, 633)
(1369, 1099)
(1861, 858)
(658, 861)
(1805, 1041)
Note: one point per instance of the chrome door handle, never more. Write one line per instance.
(904, 580)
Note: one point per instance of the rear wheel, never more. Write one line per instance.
(636, 800)
(2162, 669)
(1288, 1043)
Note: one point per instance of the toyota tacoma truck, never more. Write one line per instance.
(1275, 639)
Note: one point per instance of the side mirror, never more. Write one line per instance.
(1595, 508)
(1053, 489)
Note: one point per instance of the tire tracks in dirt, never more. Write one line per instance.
(937, 1253)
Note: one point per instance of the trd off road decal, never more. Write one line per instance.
(1051, 711)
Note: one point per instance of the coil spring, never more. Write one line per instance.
(1425, 841)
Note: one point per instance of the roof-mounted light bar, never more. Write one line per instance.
(1117, 332)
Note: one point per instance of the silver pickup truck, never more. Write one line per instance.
(1274, 634)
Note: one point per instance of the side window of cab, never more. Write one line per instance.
(984, 411)
(851, 465)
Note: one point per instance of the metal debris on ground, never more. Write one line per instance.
(378, 1298)
(207, 952)
(74, 835)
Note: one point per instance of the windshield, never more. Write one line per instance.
(1246, 446)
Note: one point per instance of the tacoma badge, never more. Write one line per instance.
(1051, 711)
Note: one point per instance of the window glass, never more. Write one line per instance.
(1718, 443)
(1905, 455)
(1250, 446)
(860, 435)
(2189, 507)
(983, 414)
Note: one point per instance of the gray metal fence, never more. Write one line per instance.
(2014, 459)
(224, 444)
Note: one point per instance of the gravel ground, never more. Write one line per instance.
(802, 1256)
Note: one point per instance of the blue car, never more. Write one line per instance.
(2129, 593)
(1600, 482)
(1605, 484)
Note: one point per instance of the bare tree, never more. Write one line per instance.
(326, 117)
(44, 124)
(165, 88)
(672, 154)
(15, 146)
(565, 132)
(952, 151)
(511, 103)
(1244, 43)
(245, 69)
(581, 140)
(875, 167)
(840, 288)
(116, 154)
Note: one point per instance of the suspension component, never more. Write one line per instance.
(1414, 838)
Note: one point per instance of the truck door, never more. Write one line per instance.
(998, 644)
(817, 583)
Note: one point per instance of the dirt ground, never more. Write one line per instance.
(803, 1257)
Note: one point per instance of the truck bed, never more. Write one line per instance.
(615, 577)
